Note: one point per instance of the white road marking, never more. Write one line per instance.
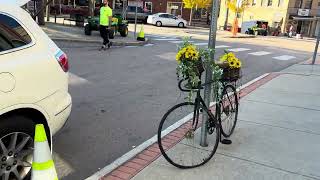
(148, 45)
(284, 57)
(76, 80)
(151, 141)
(238, 49)
(201, 44)
(130, 46)
(221, 46)
(260, 53)
(166, 39)
(178, 42)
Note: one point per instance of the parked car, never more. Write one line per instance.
(33, 88)
(130, 15)
(165, 19)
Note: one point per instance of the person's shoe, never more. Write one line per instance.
(103, 47)
(109, 44)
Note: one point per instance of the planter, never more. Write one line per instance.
(229, 74)
(199, 67)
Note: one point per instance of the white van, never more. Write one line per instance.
(33, 88)
(249, 24)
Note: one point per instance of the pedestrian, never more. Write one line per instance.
(291, 31)
(208, 19)
(105, 22)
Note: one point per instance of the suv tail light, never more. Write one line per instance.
(63, 61)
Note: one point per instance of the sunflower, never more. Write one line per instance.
(238, 64)
(230, 55)
(178, 56)
(232, 64)
(187, 55)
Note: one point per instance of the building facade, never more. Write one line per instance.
(301, 14)
(174, 7)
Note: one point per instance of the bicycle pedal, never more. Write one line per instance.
(226, 141)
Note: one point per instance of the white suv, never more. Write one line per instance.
(33, 88)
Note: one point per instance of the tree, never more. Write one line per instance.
(203, 3)
(40, 9)
(91, 6)
(191, 4)
(237, 6)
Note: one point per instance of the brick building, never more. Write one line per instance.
(174, 7)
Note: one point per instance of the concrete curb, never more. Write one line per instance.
(131, 163)
(114, 43)
(309, 61)
(240, 37)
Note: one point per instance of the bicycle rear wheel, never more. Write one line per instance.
(179, 136)
(228, 107)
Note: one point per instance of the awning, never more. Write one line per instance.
(300, 18)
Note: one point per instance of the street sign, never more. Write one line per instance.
(135, 3)
(174, 7)
(303, 12)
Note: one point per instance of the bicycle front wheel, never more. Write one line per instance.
(179, 136)
(228, 107)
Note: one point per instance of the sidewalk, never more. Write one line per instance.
(277, 136)
(72, 33)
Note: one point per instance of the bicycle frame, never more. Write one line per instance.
(199, 102)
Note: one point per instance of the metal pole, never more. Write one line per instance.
(47, 12)
(316, 48)
(207, 89)
(135, 23)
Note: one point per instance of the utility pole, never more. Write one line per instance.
(47, 10)
(316, 48)
(91, 7)
(40, 16)
(207, 89)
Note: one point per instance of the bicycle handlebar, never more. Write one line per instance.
(196, 89)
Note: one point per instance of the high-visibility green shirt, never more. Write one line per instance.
(105, 13)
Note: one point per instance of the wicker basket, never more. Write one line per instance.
(229, 74)
(199, 66)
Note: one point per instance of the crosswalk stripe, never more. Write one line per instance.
(284, 57)
(238, 49)
(178, 42)
(148, 45)
(221, 46)
(168, 39)
(200, 44)
(260, 53)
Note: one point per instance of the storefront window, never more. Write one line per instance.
(174, 8)
(254, 2)
(308, 4)
(298, 4)
(148, 6)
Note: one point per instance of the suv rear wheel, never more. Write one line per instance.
(16, 147)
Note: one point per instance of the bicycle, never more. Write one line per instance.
(184, 127)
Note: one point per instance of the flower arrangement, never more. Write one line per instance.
(233, 61)
(231, 66)
(189, 63)
(192, 61)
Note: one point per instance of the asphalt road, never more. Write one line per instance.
(120, 95)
